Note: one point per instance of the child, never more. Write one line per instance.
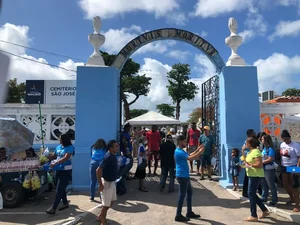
(142, 164)
(234, 168)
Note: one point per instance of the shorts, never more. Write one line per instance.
(192, 148)
(109, 193)
(153, 154)
(295, 180)
(206, 160)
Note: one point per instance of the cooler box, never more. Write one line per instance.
(293, 169)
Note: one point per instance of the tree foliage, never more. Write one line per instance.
(137, 85)
(166, 109)
(180, 88)
(137, 112)
(195, 115)
(291, 92)
(15, 92)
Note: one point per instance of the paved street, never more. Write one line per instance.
(215, 205)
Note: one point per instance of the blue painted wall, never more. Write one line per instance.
(97, 111)
(239, 111)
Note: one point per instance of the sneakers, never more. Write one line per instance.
(272, 204)
(181, 218)
(192, 215)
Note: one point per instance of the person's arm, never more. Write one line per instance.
(196, 154)
(271, 156)
(258, 163)
(99, 176)
(199, 142)
(68, 154)
(243, 151)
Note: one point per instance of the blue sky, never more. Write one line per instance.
(271, 29)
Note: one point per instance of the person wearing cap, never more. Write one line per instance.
(209, 143)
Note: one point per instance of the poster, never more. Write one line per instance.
(60, 91)
(34, 92)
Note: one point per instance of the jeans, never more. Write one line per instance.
(246, 184)
(269, 184)
(185, 187)
(63, 178)
(254, 182)
(93, 177)
(164, 175)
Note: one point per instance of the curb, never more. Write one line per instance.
(279, 212)
(78, 218)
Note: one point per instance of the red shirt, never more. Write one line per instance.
(194, 136)
(154, 140)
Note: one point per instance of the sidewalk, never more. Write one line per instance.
(215, 204)
(281, 210)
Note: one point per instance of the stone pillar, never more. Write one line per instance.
(97, 115)
(239, 111)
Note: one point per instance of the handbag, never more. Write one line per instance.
(142, 165)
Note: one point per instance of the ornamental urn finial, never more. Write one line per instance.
(233, 42)
(96, 39)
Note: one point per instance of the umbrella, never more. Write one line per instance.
(14, 136)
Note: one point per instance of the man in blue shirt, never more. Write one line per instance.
(209, 143)
(183, 178)
(126, 146)
(107, 174)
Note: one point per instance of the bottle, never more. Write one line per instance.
(1, 201)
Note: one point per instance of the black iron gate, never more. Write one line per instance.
(210, 114)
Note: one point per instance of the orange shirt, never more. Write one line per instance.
(154, 140)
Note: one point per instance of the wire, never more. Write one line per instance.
(39, 50)
(32, 60)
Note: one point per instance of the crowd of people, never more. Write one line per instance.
(112, 162)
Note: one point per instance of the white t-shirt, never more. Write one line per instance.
(289, 153)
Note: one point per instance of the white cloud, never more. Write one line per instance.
(255, 24)
(278, 72)
(288, 3)
(23, 69)
(158, 92)
(209, 8)
(108, 9)
(14, 34)
(286, 28)
(178, 54)
(116, 39)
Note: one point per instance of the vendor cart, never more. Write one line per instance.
(14, 137)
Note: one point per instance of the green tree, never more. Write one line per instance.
(137, 112)
(195, 115)
(291, 92)
(166, 109)
(180, 88)
(15, 92)
(138, 85)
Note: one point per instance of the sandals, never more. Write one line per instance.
(296, 209)
(251, 219)
(264, 214)
(143, 189)
(98, 219)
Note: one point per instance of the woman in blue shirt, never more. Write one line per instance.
(268, 155)
(98, 151)
(63, 165)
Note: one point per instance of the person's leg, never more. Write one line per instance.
(236, 179)
(103, 214)
(183, 184)
(149, 161)
(203, 164)
(252, 188)
(155, 161)
(245, 186)
(265, 187)
(93, 177)
(198, 161)
(260, 203)
(172, 179)
(295, 190)
(270, 176)
(189, 193)
(209, 167)
(163, 178)
(233, 183)
(192, 166)
(287, 186)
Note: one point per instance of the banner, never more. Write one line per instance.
(60, 91)
(34, 92)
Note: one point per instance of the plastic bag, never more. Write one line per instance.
(50, 178)
(35, 181)
(46, 152)
(27, 181)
